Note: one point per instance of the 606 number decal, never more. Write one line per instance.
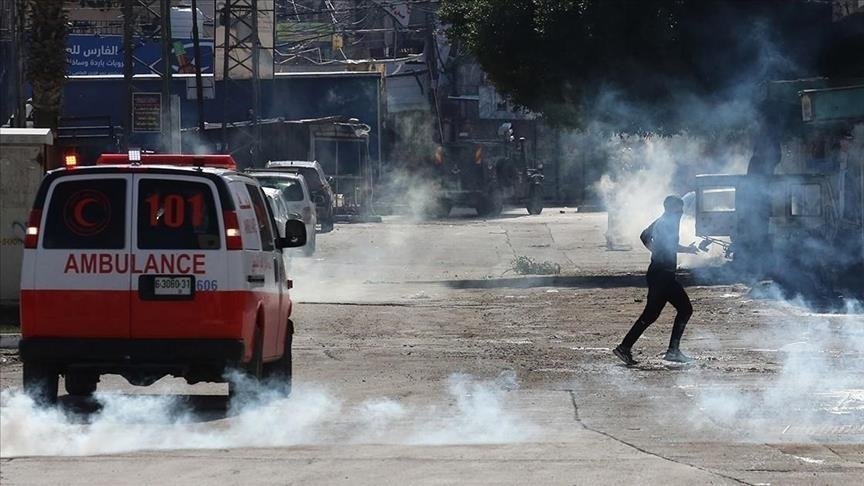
(206, 285)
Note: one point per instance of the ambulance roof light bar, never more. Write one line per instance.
(217, 161)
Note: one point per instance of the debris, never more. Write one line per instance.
(524, 265)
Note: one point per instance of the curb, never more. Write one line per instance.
(9, 341)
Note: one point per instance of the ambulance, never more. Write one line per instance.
(149, 265)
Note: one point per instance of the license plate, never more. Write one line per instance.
(172, 286)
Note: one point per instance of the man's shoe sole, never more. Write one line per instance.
(623, 357)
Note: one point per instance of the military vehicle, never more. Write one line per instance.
(486, 174)
(797, 215)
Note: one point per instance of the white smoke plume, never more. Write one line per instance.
(645, 168)
(311, 415)
(819, 387)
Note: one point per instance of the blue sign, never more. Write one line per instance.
(103, 54)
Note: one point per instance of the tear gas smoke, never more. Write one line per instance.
(645, 168)
(312, 415)
(818, 387)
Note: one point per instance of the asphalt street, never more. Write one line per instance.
(422, 356)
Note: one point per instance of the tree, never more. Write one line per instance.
(46, 59)
(565, 57)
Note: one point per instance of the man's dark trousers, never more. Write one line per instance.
(662, 288)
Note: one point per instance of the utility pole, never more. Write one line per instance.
(18, 43)
(139, 16)
(430, 53)
(255, 148)
(128, 68)
(199, 89)
(241, 61)
(167, 128)
(226, 66)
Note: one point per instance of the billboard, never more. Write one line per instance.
(103, 54)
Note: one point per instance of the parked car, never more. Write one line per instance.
(289, 199)
(162, 265)
(319, 187)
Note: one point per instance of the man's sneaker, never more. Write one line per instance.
(624, 355)
(677, 356)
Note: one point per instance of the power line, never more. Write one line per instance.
(380, 5)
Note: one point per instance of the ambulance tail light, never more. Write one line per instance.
(233, 240)
(70, 160)
(31, 237)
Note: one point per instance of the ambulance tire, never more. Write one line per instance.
(80, 385)
(41, 382)
(279, 373)
(252, 372)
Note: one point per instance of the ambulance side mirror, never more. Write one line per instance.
(295, 235)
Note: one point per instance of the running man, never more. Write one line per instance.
(662, 239)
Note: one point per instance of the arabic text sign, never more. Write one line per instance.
(91, 54)
(146, 112)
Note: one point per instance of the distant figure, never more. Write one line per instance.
(662, 239)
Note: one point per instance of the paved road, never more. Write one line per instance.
(422, 357)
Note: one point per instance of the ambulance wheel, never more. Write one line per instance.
(41, 382)
(246, 381)
(279, 372)
(80, 385)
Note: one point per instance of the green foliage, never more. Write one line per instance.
(560, 56)
(524, 265)
(46, 59)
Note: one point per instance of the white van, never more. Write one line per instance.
(295, 196)
(164, 265)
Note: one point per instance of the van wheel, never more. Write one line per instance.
(535, 200)
(442, 208)
(41, 382)
(491, 204)
(280, 371)
(80, 384)
(309, 247)
(250, 375)
(327, 225)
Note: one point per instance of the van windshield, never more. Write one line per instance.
(290, 188)
(87, 214)
(175, 214)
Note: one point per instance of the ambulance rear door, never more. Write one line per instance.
(179, 260)
(77, 280)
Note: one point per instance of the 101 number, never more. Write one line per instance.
(174, 209)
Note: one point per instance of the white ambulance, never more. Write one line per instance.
(153, 265)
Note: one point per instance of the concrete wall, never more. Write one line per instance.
(20, 174)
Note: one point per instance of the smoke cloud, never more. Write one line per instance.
(644, 168)
(311, 415)
(817, 390)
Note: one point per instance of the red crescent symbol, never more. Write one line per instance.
(79, 210)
